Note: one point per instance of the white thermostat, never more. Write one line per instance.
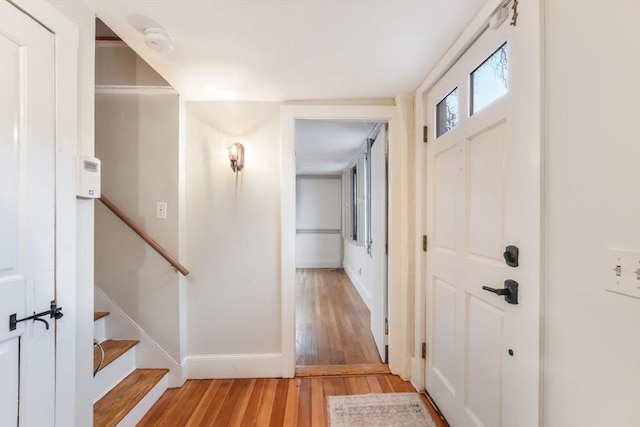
(88, 177)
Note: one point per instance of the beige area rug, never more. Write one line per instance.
(379, 410)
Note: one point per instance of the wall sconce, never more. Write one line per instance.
(236, 156)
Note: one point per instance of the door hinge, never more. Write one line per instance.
(424, 243)
(424, 350)
(425, 134)
(386, 326)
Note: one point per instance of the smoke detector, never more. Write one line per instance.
(158, 40)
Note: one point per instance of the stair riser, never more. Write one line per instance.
(100, 329)
(136, 414)
(150, 354)
(113, 373)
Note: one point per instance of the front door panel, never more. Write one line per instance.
(483, 194)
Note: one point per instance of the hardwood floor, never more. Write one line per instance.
(332, 321)
(273, 402)
(335, 355)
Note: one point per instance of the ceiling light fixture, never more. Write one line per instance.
(158, 40)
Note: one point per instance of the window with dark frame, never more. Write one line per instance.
(367, 165)
(354, 203)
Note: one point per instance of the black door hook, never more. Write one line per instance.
(54, 312)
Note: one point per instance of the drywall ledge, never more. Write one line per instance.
(258, 365)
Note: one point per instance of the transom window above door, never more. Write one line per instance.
(484, 85)
(489, 81)
(447, 113)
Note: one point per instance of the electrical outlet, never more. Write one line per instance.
(161, 210)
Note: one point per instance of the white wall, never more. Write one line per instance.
(117, 64)
(363, 269)
(358, 266)
(592, 359)
(318, 207)
(233, 240)
(78, 400)
(137, 141)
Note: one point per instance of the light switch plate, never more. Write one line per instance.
(161, 210)
(624, 272)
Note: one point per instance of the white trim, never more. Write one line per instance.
(366, 296)
(417, 371)
(182, 230)
(149, 353)
(477, 26)
(398, 231)
(135, 90)
(399, 349)
(112, 43)
(324, 263)
(319, 176)
(257, 365)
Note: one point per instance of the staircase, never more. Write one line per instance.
(122, 392)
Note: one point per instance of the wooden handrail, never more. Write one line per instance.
(140, 232)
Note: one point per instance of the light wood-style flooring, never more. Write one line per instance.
(336, 355)
(332, 321)
(265, 402)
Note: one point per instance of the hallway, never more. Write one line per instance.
(332, 321)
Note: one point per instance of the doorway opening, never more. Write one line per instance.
(341, 246)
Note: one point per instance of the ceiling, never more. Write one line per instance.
(273, 50)
(325, 147)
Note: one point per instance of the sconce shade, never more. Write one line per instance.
(236, 156)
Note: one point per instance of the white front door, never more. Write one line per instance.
(27, 236)
(378, 239)
(483, 194)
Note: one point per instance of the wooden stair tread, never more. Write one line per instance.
(112, 350)
(116, 404)
(97, 315)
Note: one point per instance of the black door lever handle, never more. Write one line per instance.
(503, 291)
(510, 291)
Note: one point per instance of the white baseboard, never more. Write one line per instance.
(366, 297)
(323, 263)
(259, 365)
(149, 354)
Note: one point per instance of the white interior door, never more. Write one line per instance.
(483, 194)
(27, 185)
(378, 238)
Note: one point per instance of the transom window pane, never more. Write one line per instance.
(489, 80)
(447, 113)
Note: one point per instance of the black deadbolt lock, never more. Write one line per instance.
(511, 255)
